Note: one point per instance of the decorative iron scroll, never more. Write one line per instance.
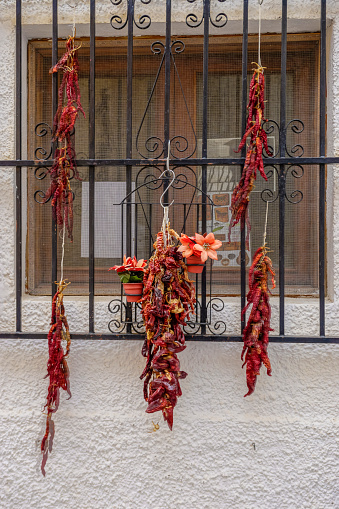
(143, 22)
(271, 128)
(119, 323)
(155, 145)
(297, 127)
(294, 197)
(267, 195)
(218, 21)
(41, 130)
(297, 171)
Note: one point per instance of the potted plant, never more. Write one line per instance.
(197, 249)
(131, 275)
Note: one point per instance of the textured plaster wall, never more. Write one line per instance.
(276, 449)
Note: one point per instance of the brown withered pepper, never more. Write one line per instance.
(168, 298)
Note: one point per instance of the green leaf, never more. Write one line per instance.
(135, 279)
(125, 277)
(217, 229)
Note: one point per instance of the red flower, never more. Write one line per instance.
(130, 265)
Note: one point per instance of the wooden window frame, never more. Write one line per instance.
(40, 49)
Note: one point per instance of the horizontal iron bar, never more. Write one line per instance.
(177, 162)
(208, 338)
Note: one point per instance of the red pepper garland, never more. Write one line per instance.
(254, 159)
(168, 299)
(64, 166)
(57, 368)
(255, 334)
(60, 191)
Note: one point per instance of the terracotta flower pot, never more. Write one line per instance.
(133, 291)
(194, 264)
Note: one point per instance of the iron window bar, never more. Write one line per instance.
(325, 160)
(203, 162)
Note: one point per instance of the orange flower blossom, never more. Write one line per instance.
(188, 244)
(200, 245)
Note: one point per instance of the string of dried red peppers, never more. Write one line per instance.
(64, 166)
(168, 299)
(256, 332)
(57, 368)
(254, 159)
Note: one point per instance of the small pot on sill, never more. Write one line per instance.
(133, 291)
(194, 264)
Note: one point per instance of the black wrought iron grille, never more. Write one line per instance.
(192, 170)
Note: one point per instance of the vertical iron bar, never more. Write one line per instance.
(243, 154)
(54, 109)
(136, 230)
(130, 14)
(122, 318)
(167, 77)
(282, 176)
(204, 154)
(322, 196)
(91, 201)
(167, 118)
(150, 231)
(167, 90)
(130, 21)
(18, 190)
(197, 309)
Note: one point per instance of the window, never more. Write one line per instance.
(224, 132)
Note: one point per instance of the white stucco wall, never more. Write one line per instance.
(276, 449)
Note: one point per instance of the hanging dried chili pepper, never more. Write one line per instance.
(254, 159)
(168, 299)
(64, 166)
(256, 332)
(57, 369)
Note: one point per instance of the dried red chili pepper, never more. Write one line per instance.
(64, 166)
(256, 332)
(168, 299)
(57, 369)
(254, 159)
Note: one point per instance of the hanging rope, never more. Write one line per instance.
(73, 5)
(62, 252)
(260, 2)
(264, 244)
(165, 174)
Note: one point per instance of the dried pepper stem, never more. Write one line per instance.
(168, 299)
(256, 332)
(64, 166)
(57, 369)
(254, 159)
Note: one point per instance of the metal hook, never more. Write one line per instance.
(168, 170)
